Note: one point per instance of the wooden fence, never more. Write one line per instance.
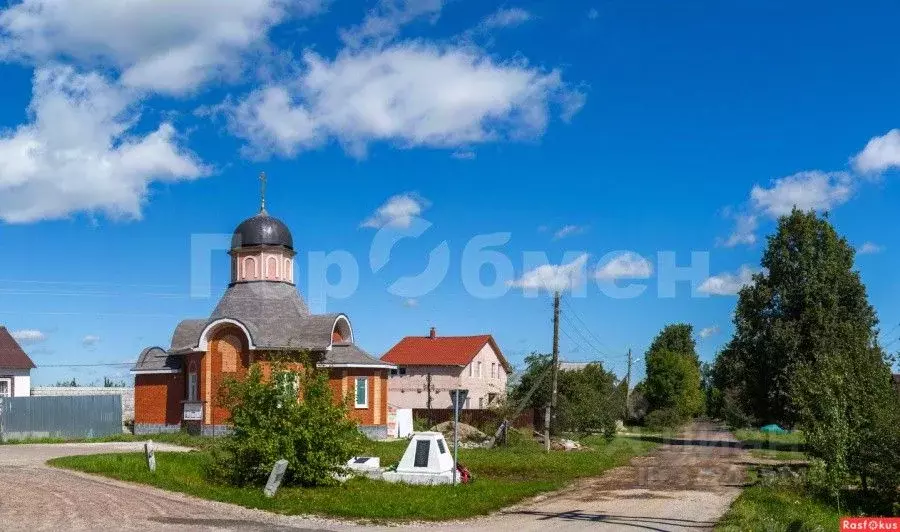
(480, 418)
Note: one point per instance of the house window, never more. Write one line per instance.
(493, 370)
(470, 368)
(362, 392)
(192, 386)
(288, 383)
(479, 371)
(481, 402)
(492, 397)
(5, 387)
(398, 371)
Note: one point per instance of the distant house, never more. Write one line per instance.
(15, 367)
(428, 367)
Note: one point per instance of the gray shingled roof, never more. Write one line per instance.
(186, 335)
(344, 354)
(156, 359)
(276, 318)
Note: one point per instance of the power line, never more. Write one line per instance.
(578, 317)
(108, 364)
(586, 339)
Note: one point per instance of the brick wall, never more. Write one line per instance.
(126, 393)
(157, 399)
(343, 385)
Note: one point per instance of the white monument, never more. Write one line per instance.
(427, 460)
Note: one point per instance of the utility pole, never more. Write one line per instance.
(551, 408)
(627, 389)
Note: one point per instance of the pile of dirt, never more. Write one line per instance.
(467, 433)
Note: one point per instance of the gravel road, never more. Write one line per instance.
(686, 485)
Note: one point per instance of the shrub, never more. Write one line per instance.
(291, 416)
(664, 418)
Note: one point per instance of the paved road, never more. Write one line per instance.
(683, 486)
(36, 497)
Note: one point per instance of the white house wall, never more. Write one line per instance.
(410, 391)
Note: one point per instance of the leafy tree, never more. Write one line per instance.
(292, 416)
(587, 399)
(673, 373)
(805, 353)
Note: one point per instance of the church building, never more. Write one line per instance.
(261, 316)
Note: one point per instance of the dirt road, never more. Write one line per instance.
(685, 485)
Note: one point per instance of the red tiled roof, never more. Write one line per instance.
(11, 355)
(440, 350)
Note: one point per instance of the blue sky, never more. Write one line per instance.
(599, 134)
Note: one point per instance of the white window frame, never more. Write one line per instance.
(480, 372)
(471, 368)
(9, 384)
(193, 392)
(356, 403)
(493, 370)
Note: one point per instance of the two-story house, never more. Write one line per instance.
(428, 367)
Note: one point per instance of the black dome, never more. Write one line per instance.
(262, 230)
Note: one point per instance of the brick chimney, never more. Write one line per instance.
(432, 333)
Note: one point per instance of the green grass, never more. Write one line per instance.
(776, 508)
(503, 476)
(177, 438)
(783, 456)
(792, 441)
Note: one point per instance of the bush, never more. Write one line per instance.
(270, 422)
(664, 418)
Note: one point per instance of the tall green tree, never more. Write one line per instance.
(805, 349)
(673, 372)
(587, 399)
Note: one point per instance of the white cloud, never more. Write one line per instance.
(411, 94)
(744, 230)
(569, 230)
(706, 332)
(155, 45)
(384, 22)
(593, 13)
(811, 190)
(627, 265)
(411, 303)
(90, 340)
(397, 211)
(79, 153)
(727, 284)
(463, 155)
(869, 248)
(506, 17)
(880, 154)
(29, 336)
(554, 277)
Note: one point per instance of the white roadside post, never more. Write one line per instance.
(275, 478)
(458, 397)
(150, 455)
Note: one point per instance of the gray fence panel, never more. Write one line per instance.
(87, 416)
